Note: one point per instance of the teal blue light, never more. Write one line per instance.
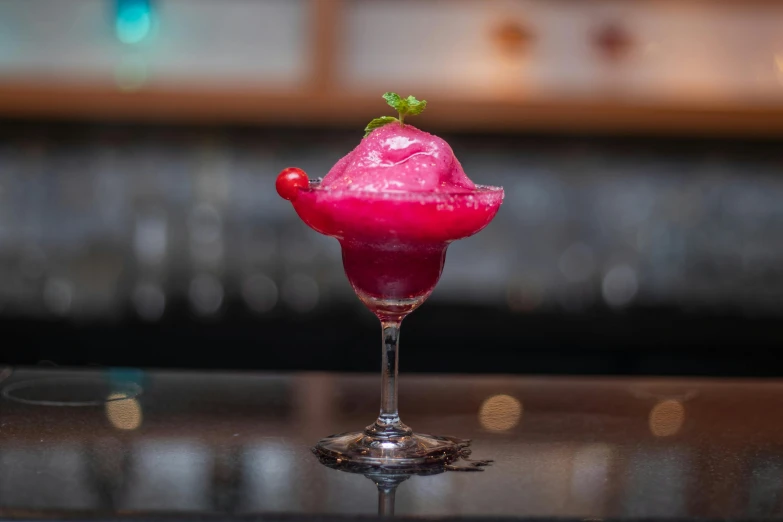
(134, 21)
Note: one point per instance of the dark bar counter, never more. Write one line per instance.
(237, 445)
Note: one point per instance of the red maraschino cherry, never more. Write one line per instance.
(289, 181)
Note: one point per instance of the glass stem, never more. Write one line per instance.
(388, 423)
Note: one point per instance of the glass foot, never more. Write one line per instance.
(361, 451)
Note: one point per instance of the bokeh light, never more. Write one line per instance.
(619, 286)
(666, 418)
(206, 294)
(134, 21)
(124, 413)
(500, 413)
(301, 293)
(260, 293)
(779, 66)
(150, 301)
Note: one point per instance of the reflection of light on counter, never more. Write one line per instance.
(269, 475)
(169, 474)
(779, 61)
(666, 418)
(53, 472)
(656, 481)
(433, 496)
(590, 477)
(500, 413)
(123, 413)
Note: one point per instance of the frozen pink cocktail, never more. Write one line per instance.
(395, 203)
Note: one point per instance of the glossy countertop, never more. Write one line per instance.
(239, 444)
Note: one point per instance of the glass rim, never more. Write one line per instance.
(480, 190)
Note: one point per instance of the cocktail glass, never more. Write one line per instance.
(393, 246)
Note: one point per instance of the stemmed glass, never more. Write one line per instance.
(394, 247)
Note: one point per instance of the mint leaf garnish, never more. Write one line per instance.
(378, 122)
(394, 100)
(415, 106)
(403, 106)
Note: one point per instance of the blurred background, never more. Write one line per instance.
(640, 144)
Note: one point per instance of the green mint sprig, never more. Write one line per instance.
(403, 106)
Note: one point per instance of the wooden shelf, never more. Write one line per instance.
(464, 98)
(302, 108)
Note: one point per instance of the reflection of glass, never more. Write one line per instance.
(387, 491)
(70, 391)
(394, 246)
(385, 480)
